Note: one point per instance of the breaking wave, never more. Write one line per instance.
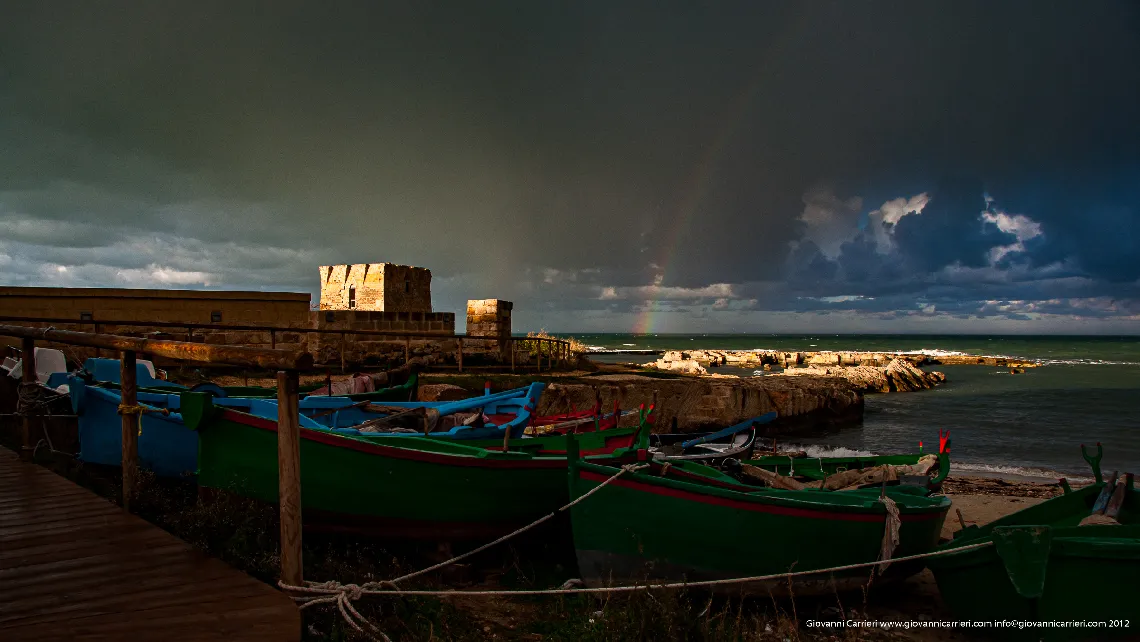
(1086, 362)
(827, 451)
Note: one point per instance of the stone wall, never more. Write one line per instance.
(92, 305)
(91, 308)
(378, 287)
(490, 318)
(378, 349)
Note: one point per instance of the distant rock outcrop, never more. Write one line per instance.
(899, 375)
(772, 358)
(675, 361)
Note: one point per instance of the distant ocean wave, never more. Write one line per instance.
(996, 470)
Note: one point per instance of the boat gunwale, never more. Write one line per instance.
(749, 499)
(478, 457)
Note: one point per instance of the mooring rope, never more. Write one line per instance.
(138, 409)
(344, 594)
(332, 588)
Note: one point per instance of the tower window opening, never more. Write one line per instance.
(352, 297)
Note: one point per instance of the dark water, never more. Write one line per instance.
(1030, 424)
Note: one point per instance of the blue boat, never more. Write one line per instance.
(167, 447)
(106, 373)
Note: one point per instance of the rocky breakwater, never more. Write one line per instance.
(698, 361)
(691, 404)
(899, 375)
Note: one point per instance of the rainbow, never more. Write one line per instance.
(693, 192)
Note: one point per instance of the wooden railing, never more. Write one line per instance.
(287, 363)
(553, 349)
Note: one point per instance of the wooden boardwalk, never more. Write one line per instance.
(74, 566)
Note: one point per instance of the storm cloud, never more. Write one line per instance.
(745, 166)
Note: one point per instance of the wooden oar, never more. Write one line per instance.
(384, 421)
(1105, 494)
(730, 431)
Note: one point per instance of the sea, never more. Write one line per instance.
(1030, 425)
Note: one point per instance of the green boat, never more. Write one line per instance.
(1040, 564)
(670, 521)
(397, 486)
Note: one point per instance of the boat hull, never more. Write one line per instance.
(398, 487)
(642, 527)
(1089, 571)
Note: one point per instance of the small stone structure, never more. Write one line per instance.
(379, 287)
(490, 318)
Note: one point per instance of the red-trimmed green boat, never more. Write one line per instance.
(399, 486)
(669, 522)
(1044, 566)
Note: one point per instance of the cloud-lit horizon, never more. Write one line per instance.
(662, 167)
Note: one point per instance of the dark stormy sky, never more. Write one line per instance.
(661, 166)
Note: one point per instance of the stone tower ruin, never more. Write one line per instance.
(377, 287)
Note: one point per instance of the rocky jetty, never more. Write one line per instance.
(803, 403)
(678, 360)
(899, 375)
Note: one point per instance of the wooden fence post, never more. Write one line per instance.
(289, 475)
(128, 400)
(29, 379)
(407, 350)
(513, 348)
(459, 353)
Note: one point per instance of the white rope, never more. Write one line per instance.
(624, 469)
(343, 599)
(344, 594)
(334, 588)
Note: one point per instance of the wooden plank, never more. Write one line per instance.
(197, 352)
(289, 475)
(70, 571)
